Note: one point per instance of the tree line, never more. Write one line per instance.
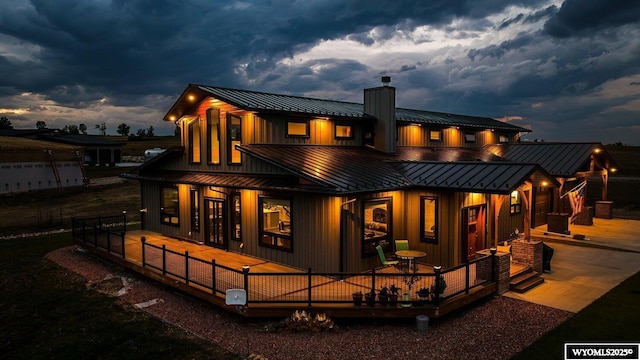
(81, 129)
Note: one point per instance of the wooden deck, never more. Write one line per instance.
(281, 289)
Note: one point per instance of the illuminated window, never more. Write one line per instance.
(470, 137)
(376, 226)
(503, 139)
(170, 206)
(297, 129)
(435, 135)
(213, 138)
(195, 209)
(234, 137)
(428, 219)
(275, 223)
(515, 203)
(236, 217)
(344, 132)
(194, 141)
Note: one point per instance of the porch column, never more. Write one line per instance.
(497, 200)
(605, 184)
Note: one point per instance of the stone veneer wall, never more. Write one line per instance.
(502, 269)
(528, 253)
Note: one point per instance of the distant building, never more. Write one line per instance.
(27, 164)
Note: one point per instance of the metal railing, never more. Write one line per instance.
(103, 232)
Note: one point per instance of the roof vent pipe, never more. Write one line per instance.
(386, 80)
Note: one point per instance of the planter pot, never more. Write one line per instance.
(393, 299)
(423, 300)
(371, 300)
(406, 300)
(357, 300)
(384, 299)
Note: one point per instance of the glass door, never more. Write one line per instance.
(216, 220)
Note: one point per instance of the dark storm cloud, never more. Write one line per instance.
(579, 17)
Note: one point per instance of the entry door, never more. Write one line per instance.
(542, 199)
(473, 230)
(216, 234)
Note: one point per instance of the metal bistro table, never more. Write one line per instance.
(410, 255)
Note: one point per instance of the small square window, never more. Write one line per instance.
(435, 135)
(344, 132)
(297, 129)
(503, 139)
(515, 203)
(470, 137)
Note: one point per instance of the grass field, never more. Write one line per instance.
(47, 313)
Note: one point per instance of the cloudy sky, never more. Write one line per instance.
(569, 70)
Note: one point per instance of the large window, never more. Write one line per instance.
(344, 132)
(194, 141)
(377, 226)
(297, 129)
(428, 219)
(170, 207)
(236, 216)
(194, 198)
(234, 137)
(515, 204)
(213, 138)
(275, 223)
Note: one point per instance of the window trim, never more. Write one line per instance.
(431, 239)
(515, 208)
(275, 236)
(177, 206)
(506, 139)
(190, 127)
(439, 132)
(194, 208)
(208, 112)
(340, 137)
(385, 240)
(469, 137)
(306, 128)
(236, 224)
(230, 146)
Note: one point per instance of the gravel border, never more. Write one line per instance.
(497, 328)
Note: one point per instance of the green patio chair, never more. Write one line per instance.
(402, 245)
(383, 258)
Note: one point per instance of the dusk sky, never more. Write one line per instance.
(568, 70)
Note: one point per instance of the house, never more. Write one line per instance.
(27, 164)
(318, 184)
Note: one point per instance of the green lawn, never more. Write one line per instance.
(615, 317)
(47, 313)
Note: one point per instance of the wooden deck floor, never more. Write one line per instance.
(278, 294)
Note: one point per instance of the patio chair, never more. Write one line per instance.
(383, 258)
(402, 245)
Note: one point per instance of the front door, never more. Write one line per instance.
(216, 234)
(473, 231)
(542, 200)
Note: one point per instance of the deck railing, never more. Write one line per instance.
(304, 287)
(103, 232)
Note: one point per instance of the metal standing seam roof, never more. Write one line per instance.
(278, 103)
(559, 159)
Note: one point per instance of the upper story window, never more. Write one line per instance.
(170, 206)
(435, 135)
(194, 141)
(344, 132)
(503, 139)
(213, 138)
(275, 223)
(377, 226)
(515, 204)
(234, 137)
(428, 219)
(470, 137)
(297, 129)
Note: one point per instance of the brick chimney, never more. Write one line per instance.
(381, 103)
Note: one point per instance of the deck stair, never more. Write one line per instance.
(525, 280)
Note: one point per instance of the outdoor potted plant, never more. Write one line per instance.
(442, 284)
(383, 295)
(370, 297)
(357, 298)
(423, 295)
(393, 296)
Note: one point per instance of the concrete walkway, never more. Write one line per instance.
(584, 270)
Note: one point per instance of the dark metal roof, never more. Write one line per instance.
(559, 159)
(415, 153)
(254, 182)
(360, 169)
(500, 177)
(275, 103)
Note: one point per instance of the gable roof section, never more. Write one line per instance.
(262, 102)
(347, 170)
(559, 159)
